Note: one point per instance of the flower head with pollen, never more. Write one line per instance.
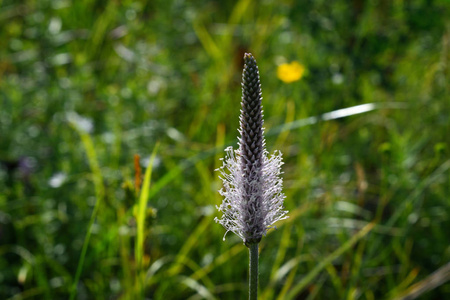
(252, 186)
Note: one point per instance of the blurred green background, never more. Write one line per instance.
(86, 85)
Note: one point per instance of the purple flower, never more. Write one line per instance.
(252, 186)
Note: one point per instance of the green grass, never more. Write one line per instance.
(86, 85)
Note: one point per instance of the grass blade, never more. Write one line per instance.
(140, 219)
(99, 193)
(328, 260)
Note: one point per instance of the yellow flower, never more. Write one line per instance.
(290, 72)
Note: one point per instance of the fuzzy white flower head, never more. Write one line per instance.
(252, 186)
(248, 219)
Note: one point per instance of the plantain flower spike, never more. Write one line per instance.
(252, 186)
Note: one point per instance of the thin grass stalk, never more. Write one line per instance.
(253, 271)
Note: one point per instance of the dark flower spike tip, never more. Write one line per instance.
(252, 186)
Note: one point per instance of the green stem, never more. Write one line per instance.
(253, 274)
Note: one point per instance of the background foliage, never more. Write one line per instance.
(85, 85)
